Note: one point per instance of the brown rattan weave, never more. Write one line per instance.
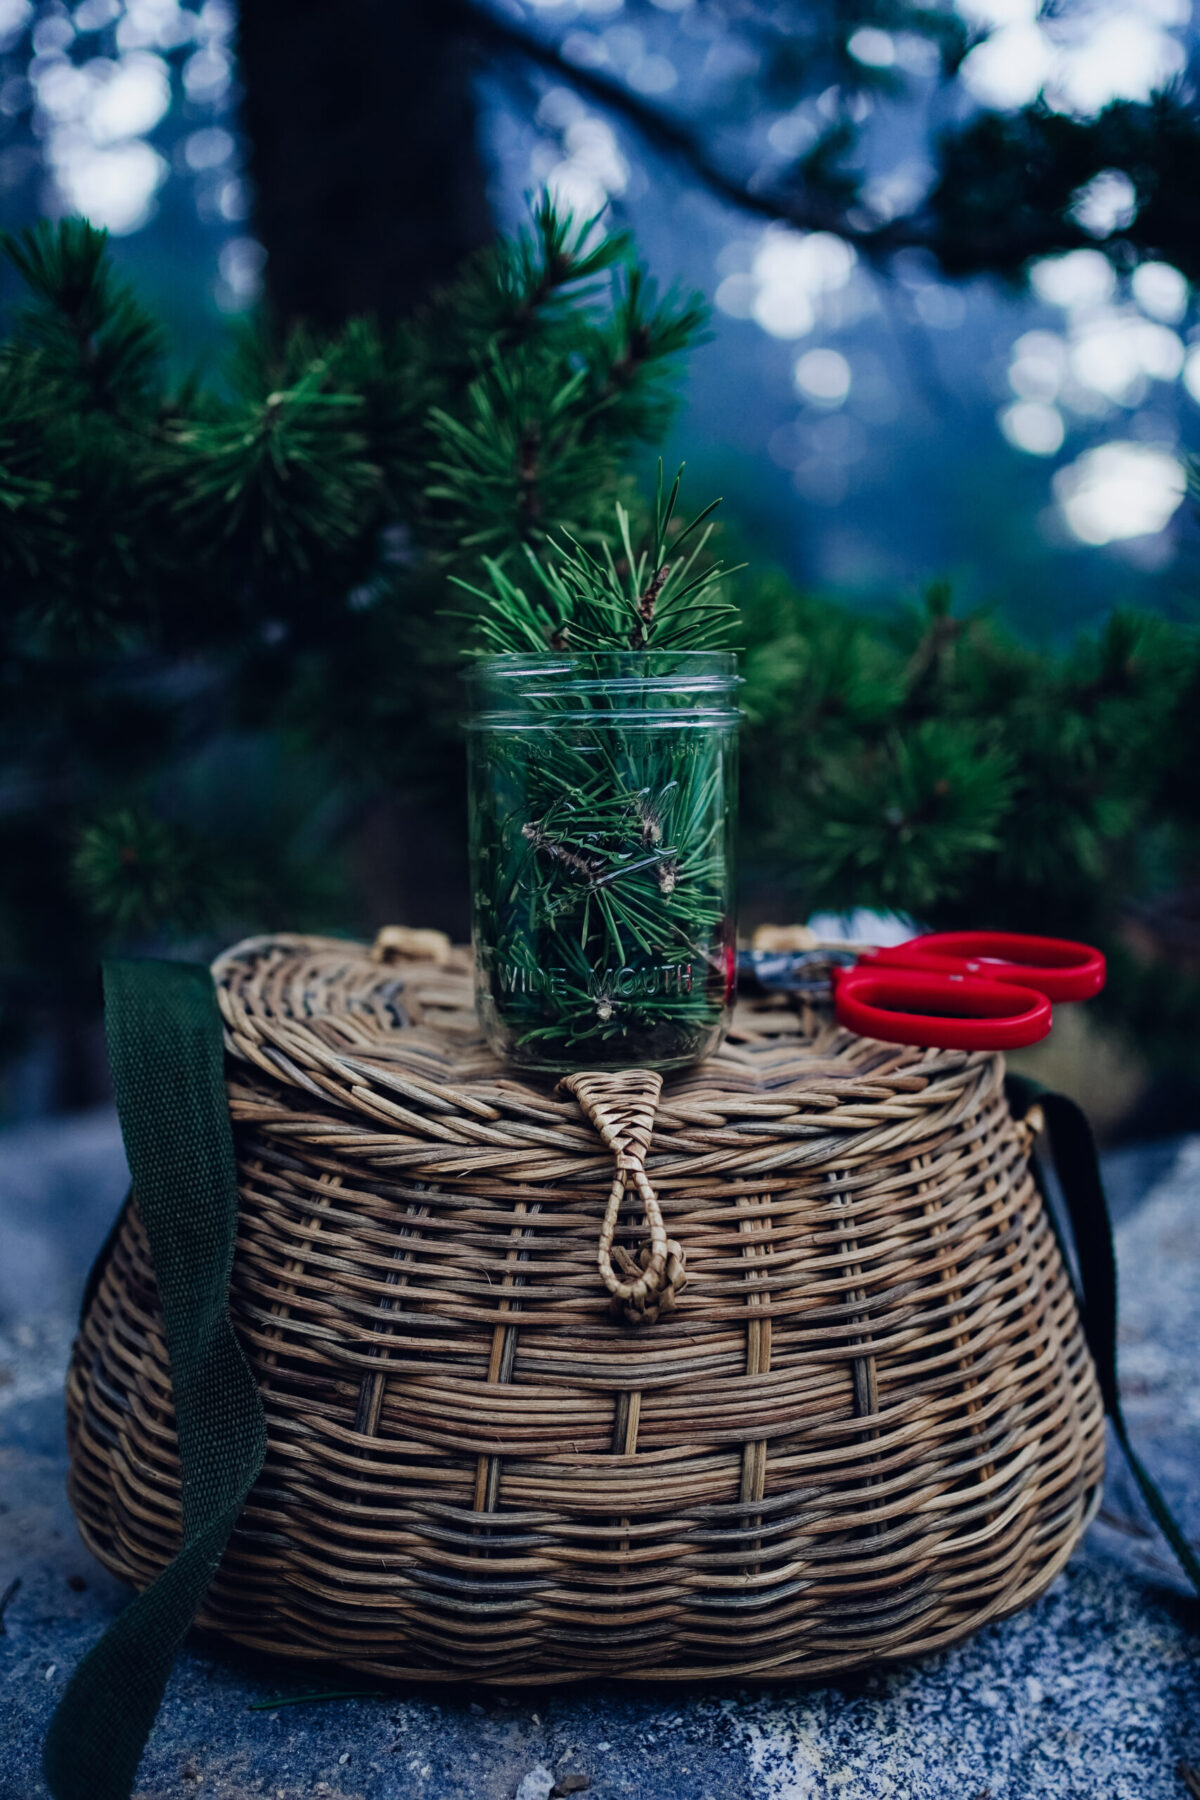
(868, 1425)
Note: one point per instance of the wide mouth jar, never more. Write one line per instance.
(603, 789)
(525, 689)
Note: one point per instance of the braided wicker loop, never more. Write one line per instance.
(871, 1427)
(621, 1107)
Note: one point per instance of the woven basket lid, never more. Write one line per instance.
(394, 1039)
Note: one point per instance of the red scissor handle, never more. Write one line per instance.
(950, 1011)
(1056, 967)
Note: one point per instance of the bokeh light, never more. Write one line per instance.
(1078, 60)
(824, 376)
(1033, 426)
(791, 277)
(1107, 203)
(1119, 490)
(121, 98)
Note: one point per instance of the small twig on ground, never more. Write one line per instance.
(313, 1699)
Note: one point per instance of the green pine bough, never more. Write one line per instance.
(222, 645)
(603, 764)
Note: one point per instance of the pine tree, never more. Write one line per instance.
(226, 630)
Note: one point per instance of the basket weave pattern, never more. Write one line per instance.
(868, 1425)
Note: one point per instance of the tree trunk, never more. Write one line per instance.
(362, 151)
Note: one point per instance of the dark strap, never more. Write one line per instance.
(1077, 1165)
(165, 1048)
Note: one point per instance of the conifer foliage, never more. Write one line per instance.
(222, 628)
(227, 625)
(667, 596)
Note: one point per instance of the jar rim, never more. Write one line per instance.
(516, 662)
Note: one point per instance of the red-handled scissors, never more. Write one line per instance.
(965, 990)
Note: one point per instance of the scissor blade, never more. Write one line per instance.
(805, 972)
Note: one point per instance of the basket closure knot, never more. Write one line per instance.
(621, 1106)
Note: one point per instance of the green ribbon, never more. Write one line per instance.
(165, 1048)
(1077, 1165)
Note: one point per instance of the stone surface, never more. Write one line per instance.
(1091, 1693)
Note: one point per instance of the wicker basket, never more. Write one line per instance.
(868, 1425)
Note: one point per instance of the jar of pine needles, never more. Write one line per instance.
(603, 797)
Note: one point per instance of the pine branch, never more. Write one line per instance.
(537, 441)
(35, 463)
(92, 339)
(550, 271)
(621, 599)
(278, 481)
(138, 873)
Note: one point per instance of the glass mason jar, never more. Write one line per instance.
(603, 795)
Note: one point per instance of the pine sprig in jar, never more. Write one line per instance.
(603, 756)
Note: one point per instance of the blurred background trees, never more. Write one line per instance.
(951, 251)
